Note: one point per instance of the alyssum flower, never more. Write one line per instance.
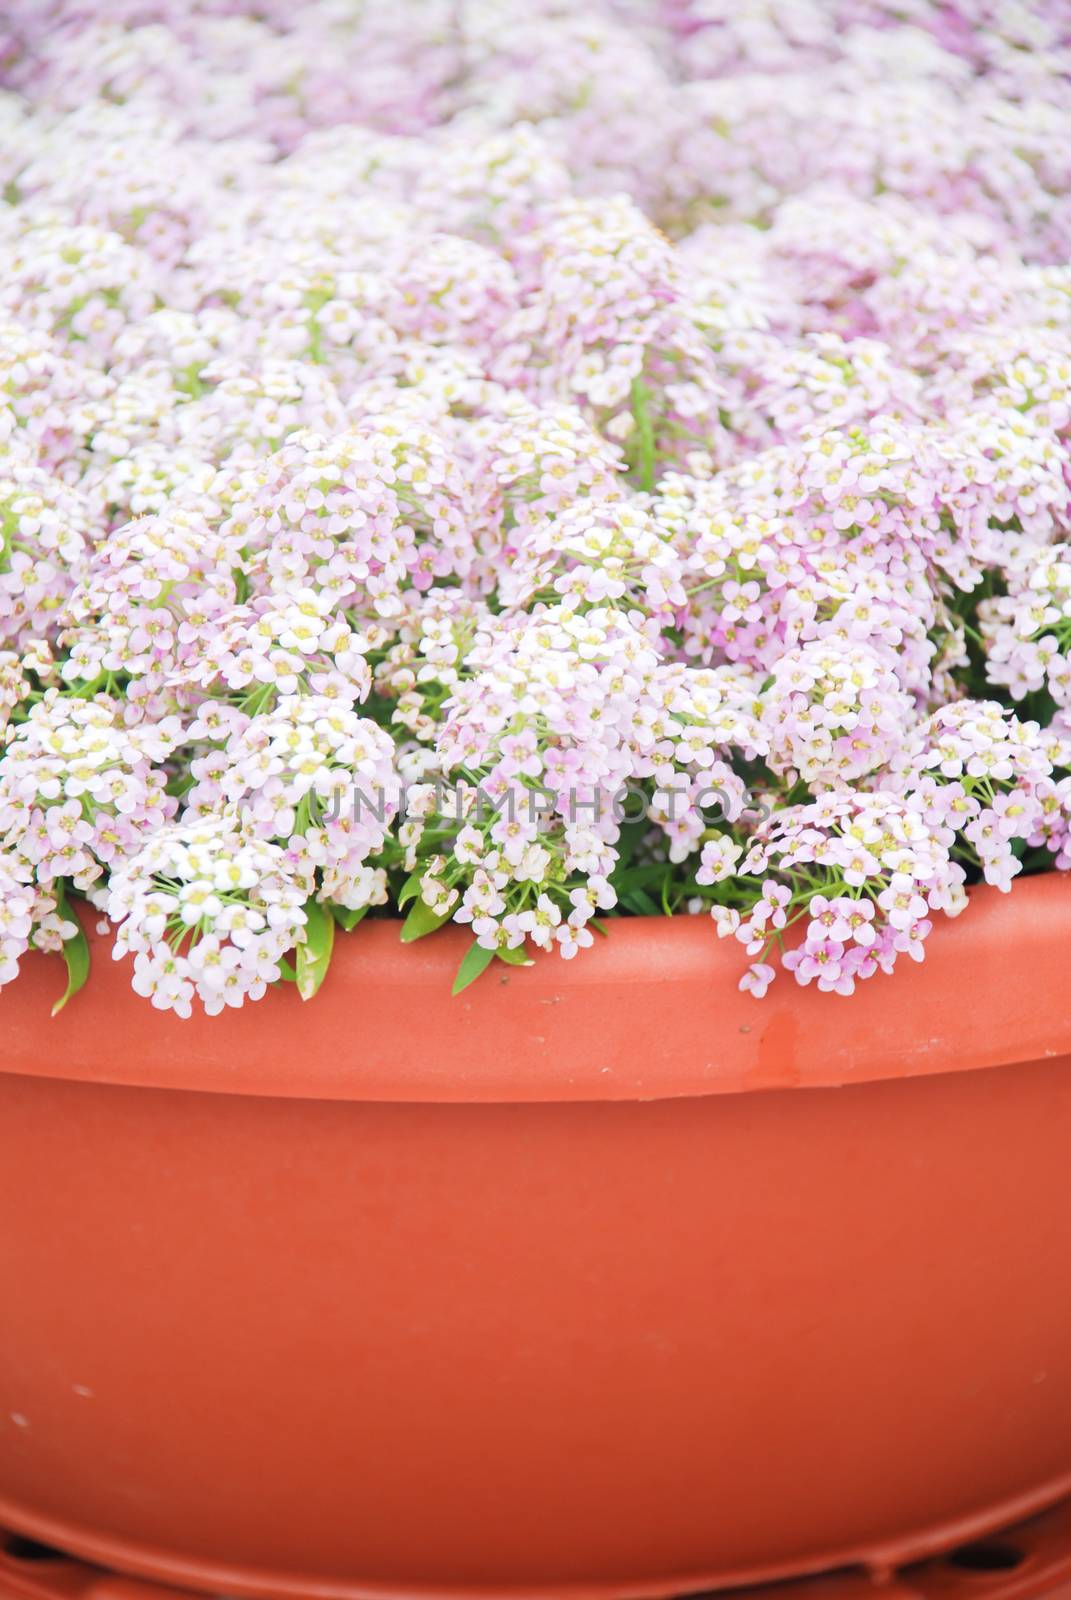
(518, 471)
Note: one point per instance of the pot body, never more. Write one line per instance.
(266, 1344)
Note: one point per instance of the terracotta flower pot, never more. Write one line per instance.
(602, 1279)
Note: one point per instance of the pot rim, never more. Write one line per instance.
(650, 1012)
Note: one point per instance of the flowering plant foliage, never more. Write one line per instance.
(521, 464)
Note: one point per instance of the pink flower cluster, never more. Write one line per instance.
(516, 464)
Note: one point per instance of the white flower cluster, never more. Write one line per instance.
(507, 464)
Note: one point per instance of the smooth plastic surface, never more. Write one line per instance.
(1029, 1561)
(607, 1324)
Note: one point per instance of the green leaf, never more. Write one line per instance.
(645, 438)
(314, 956)
(75, 953)
(639, 877)
(475, 960)
(346, 919)
(515, 958)
(422, 920)
(639, 902)
(631, 837)
(410, 889)
(286, 972)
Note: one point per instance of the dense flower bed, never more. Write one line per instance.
(514, 463)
